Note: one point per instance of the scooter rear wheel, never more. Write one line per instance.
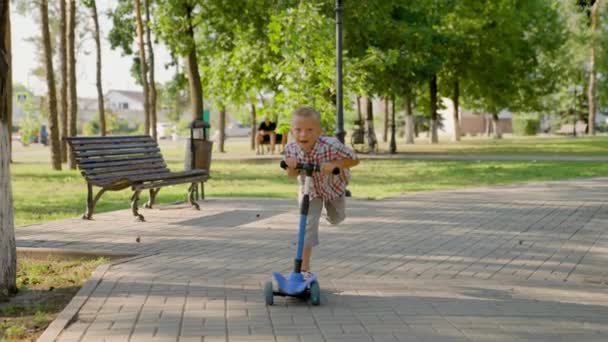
(315, 293)
(268, 293)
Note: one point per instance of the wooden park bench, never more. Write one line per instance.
(116, 163)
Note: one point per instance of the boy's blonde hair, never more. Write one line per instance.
(307, 112)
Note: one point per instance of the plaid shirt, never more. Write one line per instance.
(326, 149)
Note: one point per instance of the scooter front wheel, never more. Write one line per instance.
(268, 293)
(315, 293)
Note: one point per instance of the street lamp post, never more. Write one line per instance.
(393, 145)
(339, 104)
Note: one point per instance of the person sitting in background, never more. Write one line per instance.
(266, 129)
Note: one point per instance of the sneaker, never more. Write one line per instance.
(307, 275)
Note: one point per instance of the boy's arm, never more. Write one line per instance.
(290, 160)
(327, 168)
(346, 158)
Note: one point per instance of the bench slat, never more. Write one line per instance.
(129, 175)
(120, 162)
(147, 166)
(158, 184)
(135, 179)
(101, 140)
(80, 155)
(95, 147)
(93, 162)
(170, 175)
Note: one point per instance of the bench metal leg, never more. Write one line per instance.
(150, 203)
(191, 195)
(134, 200)
(91, 202)
(202, 190)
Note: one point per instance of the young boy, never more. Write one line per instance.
(328, 190)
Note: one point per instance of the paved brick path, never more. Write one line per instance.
(512, 263)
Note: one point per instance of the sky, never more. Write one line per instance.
(116, 72)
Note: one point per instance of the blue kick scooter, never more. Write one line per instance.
(295, 285)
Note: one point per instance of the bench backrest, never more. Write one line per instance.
(102, 159)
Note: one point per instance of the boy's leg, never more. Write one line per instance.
(258, 141)
(306, 259)
(336, 210)
(273, 137)
(312, 231)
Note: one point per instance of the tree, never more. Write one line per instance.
(73, 97)
(143, 65)
(522, 39)
(592, 65)
(8, 252)
(63, 88)
(222, 130)
(152, 83)
(10, 81)
(100, 100)
(50, 77)
(176, 24)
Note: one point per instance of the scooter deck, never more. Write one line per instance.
(295, 285)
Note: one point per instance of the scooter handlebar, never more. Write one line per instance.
(313, 167)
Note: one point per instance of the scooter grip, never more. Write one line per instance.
(336, 171)
(283, 164)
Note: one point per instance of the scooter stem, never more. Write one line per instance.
(303, 218)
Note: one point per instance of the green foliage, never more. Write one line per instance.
(28, 128)
(123, 32)
(114, 125)
(525, 124)
(305, 71)
(171, 95)
(283, 128)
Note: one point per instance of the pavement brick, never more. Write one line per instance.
(512, 263)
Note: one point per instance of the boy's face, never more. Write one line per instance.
(306, 131)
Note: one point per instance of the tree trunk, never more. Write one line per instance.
(152, 83)
(194, 77)
(371, 134)
(100, 103)
(222, 137)
(253, 124)
(456, 101)
(393, 144)
(409, 120)
(433, 109)
(9, 76)
(592, 76)
(73, 103)
(496, 126)
(50, 82)
(386, 122)
(143, 66)
(63, 89)
(488, 123)
(8, 252)
(359, 114)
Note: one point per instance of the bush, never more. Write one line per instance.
(525, 125)
(28, 127)
(114, 125)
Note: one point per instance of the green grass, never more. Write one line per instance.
(239, 147)
(45, 288)
(42, 195)
(588, 146)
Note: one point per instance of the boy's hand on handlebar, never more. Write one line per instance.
(328, 168)
(292, 163)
